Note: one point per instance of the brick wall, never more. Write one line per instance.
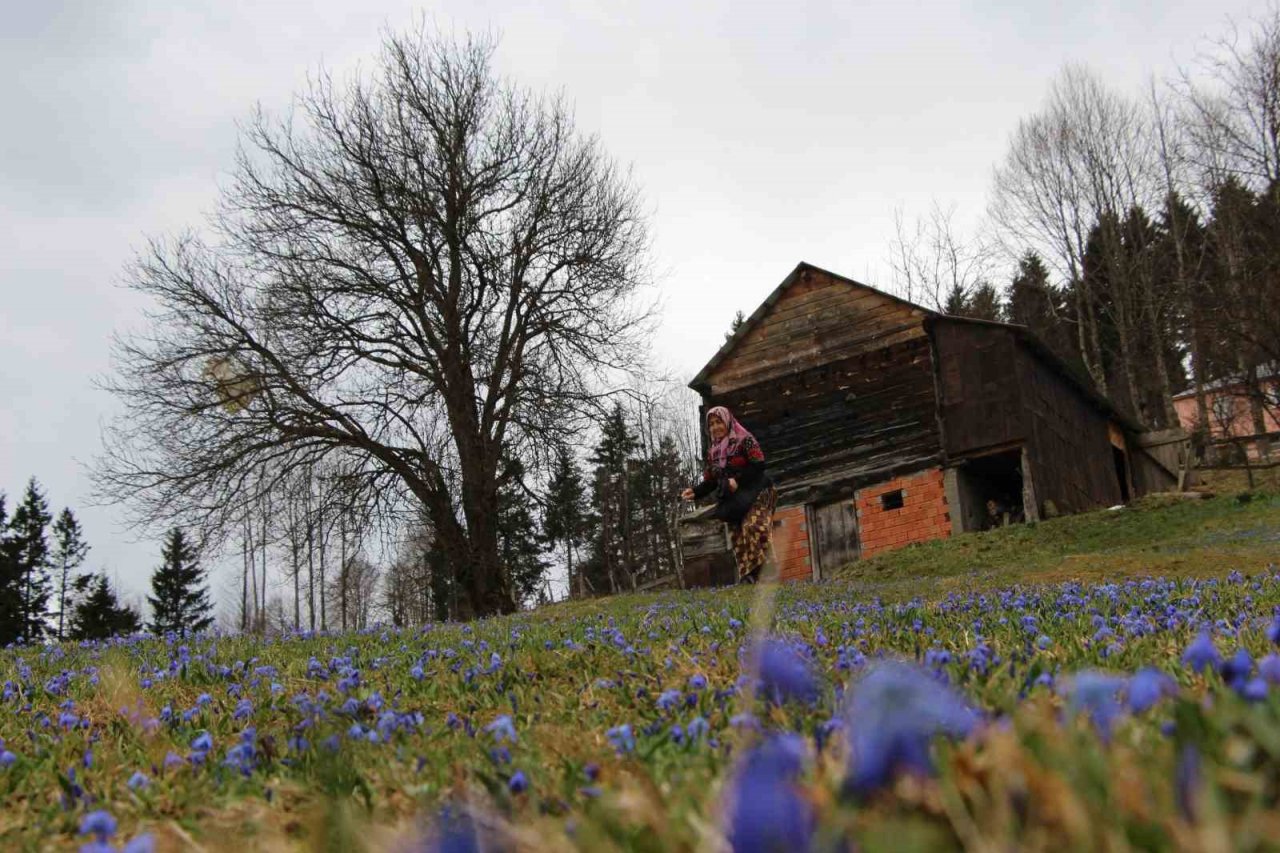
(791, 544)
(923, 515)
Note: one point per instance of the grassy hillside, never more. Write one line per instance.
(1170, 537)
(1140, 714)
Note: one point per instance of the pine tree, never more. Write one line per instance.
(565, 518)
(1036, 303)
(519, 544)
(180, 601)
(738, 320)
(27, 552)
(984, 303)
(98, 614)
(611, 505)
(10, 583)
(957, 302)
(69, 552)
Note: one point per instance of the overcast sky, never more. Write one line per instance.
(762, 134)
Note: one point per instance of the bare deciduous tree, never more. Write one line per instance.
(1087, 164)
(1232, 101)
(932, 262)
(431, 268)
(355, 584)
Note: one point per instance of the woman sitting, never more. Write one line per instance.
(745, 496)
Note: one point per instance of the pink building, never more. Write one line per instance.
(1231, 415)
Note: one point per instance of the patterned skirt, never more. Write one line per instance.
(752, 537)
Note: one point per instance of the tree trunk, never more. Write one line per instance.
(311, 568)
(244, 589)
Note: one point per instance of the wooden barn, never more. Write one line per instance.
(885, 423)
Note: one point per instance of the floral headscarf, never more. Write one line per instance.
(735, 438)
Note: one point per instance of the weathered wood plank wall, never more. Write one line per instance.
(994, 390)
(835, 382)
(980, 403)
(1068, 447)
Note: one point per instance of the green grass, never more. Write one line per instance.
(1170, 537)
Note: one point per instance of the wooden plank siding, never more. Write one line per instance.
(846, 421)
(818, 319)
(980, 404)
(1068, 445)
(835, 380)
(996, 391)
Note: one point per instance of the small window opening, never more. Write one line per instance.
(891, 500)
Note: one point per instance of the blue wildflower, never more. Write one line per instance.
(621, 738)
(144, 843)
(454, 832)
(698, 728)
(1147, 687)
(1096, 695)
(1253, 690)
(1186, 781)
(518, 783)
(138, 780)
(1202, 653)
(785, 675)
(893, 713)
(1269, 668)
(668, 700)
(697, 682)
(766, 811)
(1236, 669)
(99, 824)
(7, 758)
(202, 743)
(502, 729)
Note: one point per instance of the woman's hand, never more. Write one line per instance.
(686, 495)
(733, 484)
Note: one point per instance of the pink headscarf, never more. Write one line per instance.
(722, 450)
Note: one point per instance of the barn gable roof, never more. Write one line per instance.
(1023, 334)
(699, 382)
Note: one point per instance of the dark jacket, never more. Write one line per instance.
(747, 468)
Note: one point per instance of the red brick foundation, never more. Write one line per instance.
(923, 515)
(791, 544)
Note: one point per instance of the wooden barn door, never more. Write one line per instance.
(835, 536)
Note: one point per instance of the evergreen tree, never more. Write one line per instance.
(1036, 303)
(519, 545)
(610, 505)
(10, 583)
(957, 302)
(180, 601)
(984, 303)
(738, 320)
(27, 568)
(565, 519)
(98, 613)
(69, 552)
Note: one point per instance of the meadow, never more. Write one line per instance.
(935, 703)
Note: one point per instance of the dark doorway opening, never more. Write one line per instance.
(1122, 472)
(991, 490)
